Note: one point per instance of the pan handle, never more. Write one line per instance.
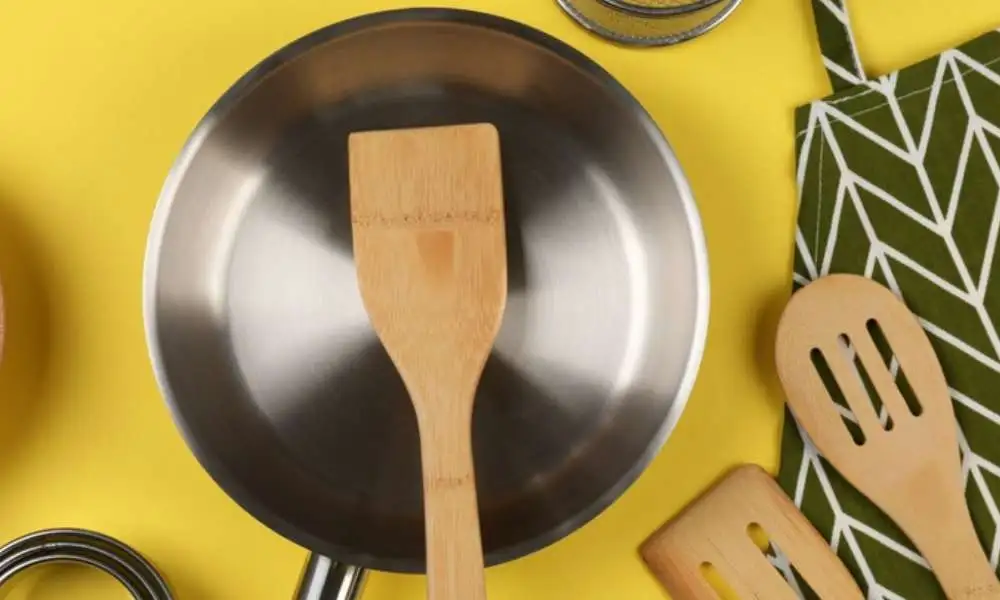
(326, 579)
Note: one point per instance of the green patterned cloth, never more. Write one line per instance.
(898, 181)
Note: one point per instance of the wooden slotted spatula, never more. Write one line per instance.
(911, 468)
(430, 250)
(715, 530)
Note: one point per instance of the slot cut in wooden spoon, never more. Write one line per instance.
(714, 530)
(910, 470)
(430, 250)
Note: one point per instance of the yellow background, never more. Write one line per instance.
(97, 97)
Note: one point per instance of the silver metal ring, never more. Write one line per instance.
(88, 548)
(627, 25)
(657, 10)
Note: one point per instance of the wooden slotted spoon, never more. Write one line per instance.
(911, 470)
(714, 530)
(430, 250)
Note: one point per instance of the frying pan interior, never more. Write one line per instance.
(263, 350)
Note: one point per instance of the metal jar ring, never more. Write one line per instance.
(632, 24)
(85, 547)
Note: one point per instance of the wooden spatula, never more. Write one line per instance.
(1, 322)
(911, 470)
(714, 530)
(430, 250)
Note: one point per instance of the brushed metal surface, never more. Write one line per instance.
(262, 348)
(326, 579)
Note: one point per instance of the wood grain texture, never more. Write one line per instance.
(2, 321)
(911, 471)
(430, 250)
(714, 529)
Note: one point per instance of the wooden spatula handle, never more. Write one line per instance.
(454, 545)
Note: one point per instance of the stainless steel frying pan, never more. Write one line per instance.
(263, 350)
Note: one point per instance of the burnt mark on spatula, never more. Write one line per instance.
(436, 249)
(451, 482)
(435, 219)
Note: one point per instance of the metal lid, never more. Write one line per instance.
(661, 7)
(649, 22)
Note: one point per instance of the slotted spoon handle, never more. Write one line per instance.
(454, 547)
(940, 526)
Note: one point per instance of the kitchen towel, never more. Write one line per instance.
(899, 180)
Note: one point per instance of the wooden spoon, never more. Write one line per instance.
(430, 250)
(714, 530)
(911, 471)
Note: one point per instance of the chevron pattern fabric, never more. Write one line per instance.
(899, 181)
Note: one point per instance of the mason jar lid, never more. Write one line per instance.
(649, 22)
(661, 7)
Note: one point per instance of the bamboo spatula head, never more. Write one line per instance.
(715, 530)
(430, 247)
(430, 251)
(1, 321)
(907, 460)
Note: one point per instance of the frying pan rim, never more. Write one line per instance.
(219, 471)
